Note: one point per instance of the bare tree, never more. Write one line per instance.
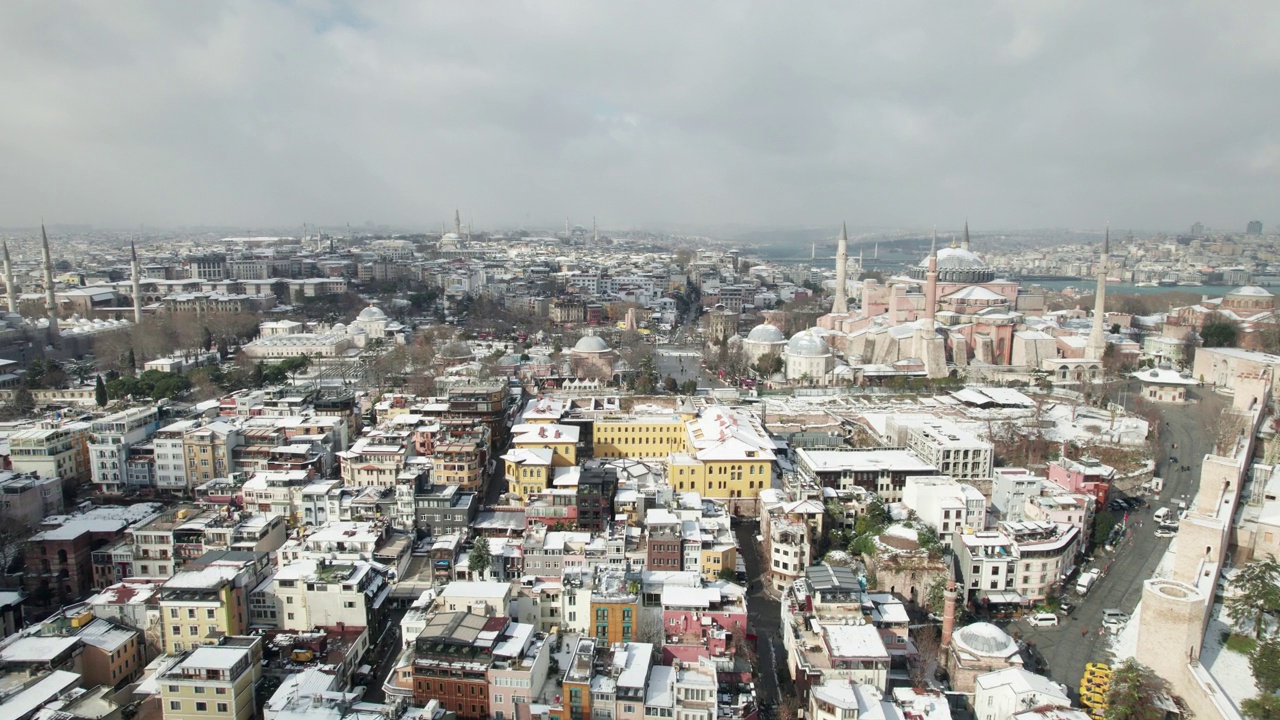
(924, 665)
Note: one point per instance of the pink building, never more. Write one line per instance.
(700, 622)
(1086, 475)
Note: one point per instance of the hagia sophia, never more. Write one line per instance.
(951, 311)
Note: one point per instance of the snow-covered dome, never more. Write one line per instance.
(591, 344)
(954, 258)
(457, 350)
(1253, 290)
(807, 343)
(371, 313)
(985, 639)
(766, 333)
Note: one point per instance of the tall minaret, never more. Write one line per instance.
(50, 304)
(931, 281)
(8, 280)
(964, 245)
(136, 280)
(1097, 341)
(457, 223)
(595, 232)
(813, 251)
(841, 305)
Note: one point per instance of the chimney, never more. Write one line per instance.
(948, 613)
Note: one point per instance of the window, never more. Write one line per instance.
(222, 707)
(220, 691)
(173, 688)
(173, 612)
(202, 706)
(193, 630)
(199, 689)
(209, 613)
(177, 630)
(175, 705)
(191, 613)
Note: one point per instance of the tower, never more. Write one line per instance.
(457, 223)
(136, 280)
(595, 232)
(964, 244)
(50, 304)
(1097, 344)
(8, 280)
(931, 280)
(841, 304)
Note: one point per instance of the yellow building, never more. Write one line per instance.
(562, 440)
(210, 683)
(528, 471)
(208, 451)
(197, 607)
(639, 437)
(615, 607)
(718, 558)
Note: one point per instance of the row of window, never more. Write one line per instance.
(201, 706)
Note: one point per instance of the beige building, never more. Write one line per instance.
(61, 452)
(210, 683)
(209, 451)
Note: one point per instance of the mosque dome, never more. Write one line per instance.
(807, 343)
(766, 333)
(956, 258)
(1252, 290)
(457, 350)
(371, 313)
(985, 639)
(591, 344)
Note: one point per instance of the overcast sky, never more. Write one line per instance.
(1013, 114)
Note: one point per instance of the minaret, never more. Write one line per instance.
(1097, 341)
(595, 232)
(813, 251)
(931, 281)
(964, 245)
(457, 223)
(841, 304)
(50, 304)
(8, 280)
(136, 278)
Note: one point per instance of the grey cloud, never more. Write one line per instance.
(1014, 114)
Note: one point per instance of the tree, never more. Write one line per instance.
(1257, 593)
(100, 392)
(1263, 707)
(132, 360)
(480, 559)
(1219, 332)
(1103, 522)
(1265, 662)
(925, 664)
(670, 384)
(1133, 685)
(689, 387)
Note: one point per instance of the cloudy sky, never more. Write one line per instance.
(1013, 114)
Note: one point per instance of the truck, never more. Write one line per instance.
(1086, 581)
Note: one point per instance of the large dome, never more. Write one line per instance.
(766, 333)
(591, 344)
(950, 258)
(985, 639)
(807, 343)
(1252, 290)
(371, 313)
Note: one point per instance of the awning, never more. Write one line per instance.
(1005, 598)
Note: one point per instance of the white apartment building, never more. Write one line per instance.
(374, 461)
(1047, 554)
(310, 593)
(1002, 694)
(1010, 490)
(955, 452)
(171, 467)
(988, 562)
(945, 505)
(59, 452)
(109, 442)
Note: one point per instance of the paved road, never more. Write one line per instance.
(1066, 648)
(680, 364)
(765, 616)
(383, 655)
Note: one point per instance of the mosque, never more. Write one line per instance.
(950, 311)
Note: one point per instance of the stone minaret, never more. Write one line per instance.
(8, 280)
(50, 304)
(1097, 340)
(931, 280)
(595, 232)
(948, 613)
(457, 223)
(841, 305)
(136, 278)
(964, 244)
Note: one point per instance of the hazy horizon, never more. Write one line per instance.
(657, 115)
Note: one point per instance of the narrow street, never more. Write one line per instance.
(765, 616)
(1068, 647)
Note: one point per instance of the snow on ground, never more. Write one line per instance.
(1124, 644)
(1228, 667)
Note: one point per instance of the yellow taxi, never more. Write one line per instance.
(1093, 699)
(1097, 668)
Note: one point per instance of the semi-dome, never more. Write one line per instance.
(457, 350)
(591, 344)
(956, 258)
(807, 343)
(371, 313)
(985, 639)
(766, 333)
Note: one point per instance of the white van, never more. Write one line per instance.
(1161, 514)
(1043, 620)
(1086, 581)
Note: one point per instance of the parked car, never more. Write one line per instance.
(1108, 613)
(1093, 700)
(1042, 620)
(1165, 533)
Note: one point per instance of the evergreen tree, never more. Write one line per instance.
(1263, 707)
(132, 361)
(1132, 687)
(1265, 663)
(100, 392)
(206, 340)
(480, 559)
(1257, 593)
